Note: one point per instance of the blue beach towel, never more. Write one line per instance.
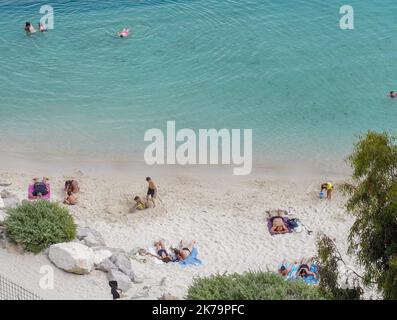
(310, 279)
(292, 275)
(191, 259)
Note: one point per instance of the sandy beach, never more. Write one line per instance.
(224, 214)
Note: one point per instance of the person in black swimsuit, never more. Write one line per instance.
(304, 271)
(152, 190)
(184, 250)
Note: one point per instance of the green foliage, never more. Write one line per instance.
(329, 256)
(373, 202)
(251, 286)
(37, 225)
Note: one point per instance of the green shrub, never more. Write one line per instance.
(251, 286)
(37, 225)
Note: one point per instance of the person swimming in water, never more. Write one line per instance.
(29, 29)
(124, 33)
(42, 28)
(393, 94)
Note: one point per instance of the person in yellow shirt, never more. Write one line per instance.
(329, 187)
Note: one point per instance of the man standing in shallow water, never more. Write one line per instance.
(152, 190)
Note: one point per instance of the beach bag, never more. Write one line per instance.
(293, 223)
(296, 225)
(40, 187)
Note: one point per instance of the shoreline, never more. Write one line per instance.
(37, 164)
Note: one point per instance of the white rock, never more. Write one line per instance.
(11, 203)
(72, 257)
(2, 206)
(3, 216)
(101, 255)
(5, 183)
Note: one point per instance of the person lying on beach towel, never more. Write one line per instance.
(306, 270)
(276, 223)
(140, 204)
(161, 252)
(279, 226)
(289, 270)
(187, 254)
(39, 189)
(308, 273)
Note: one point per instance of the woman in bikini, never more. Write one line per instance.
(184, 250)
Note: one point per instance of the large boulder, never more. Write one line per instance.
(2, 233)
(90, 237)
(100, 255)
(106, 265)
(123, 263)
(123, 281)
(6, 194)
(11, 202)
(72, 257)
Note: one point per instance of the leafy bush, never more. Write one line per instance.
(37, 225)
(251, 286)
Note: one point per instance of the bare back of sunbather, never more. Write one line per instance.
(279, 225)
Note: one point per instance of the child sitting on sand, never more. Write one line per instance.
(70, 199)
(140, 204)
(72, 186)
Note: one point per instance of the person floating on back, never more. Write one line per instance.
(124, 33)
(152, 190)
(329, 187)
(29, 29)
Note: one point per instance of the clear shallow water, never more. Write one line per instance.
(282, 68)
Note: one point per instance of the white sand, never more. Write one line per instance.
(224, 214)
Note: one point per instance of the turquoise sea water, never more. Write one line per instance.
(282, 68)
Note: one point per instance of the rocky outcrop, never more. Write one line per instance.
(90, 237)
(9, 200)
(72, 257)
(3, 216)
(5, 183)
(123, 281)
(100, 255)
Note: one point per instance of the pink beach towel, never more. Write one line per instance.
(46, 197)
